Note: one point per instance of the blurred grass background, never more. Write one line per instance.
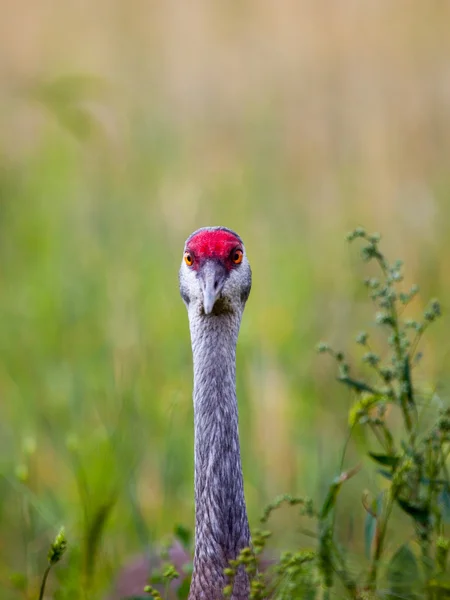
(124, 127)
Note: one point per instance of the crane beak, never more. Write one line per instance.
(212, 278)
(209, 299)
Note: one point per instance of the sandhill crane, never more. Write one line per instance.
(215, 281)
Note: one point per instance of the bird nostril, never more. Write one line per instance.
(216, 285)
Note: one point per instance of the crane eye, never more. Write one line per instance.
(237, 256)
(188, 259)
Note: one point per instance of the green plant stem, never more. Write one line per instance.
(44, 581)
(400, 359)
(389, 439)
(382, 529)
(398, 349)
(380, 374)
(417, 339)
(343, 574)
(26, 535)
(377, 435)
(341, 468)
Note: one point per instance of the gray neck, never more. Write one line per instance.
(221, 525)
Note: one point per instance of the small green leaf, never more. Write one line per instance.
(333, 491)
(421, 514)
(330, 499)
(184, 535)
(370, 528)
(359, 386)
(183, 590)
(385, 459)
(403, 573)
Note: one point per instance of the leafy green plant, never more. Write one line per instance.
(409, 452)
(55, 554)
(411, 457)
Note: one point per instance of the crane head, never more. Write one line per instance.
(215, 275)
